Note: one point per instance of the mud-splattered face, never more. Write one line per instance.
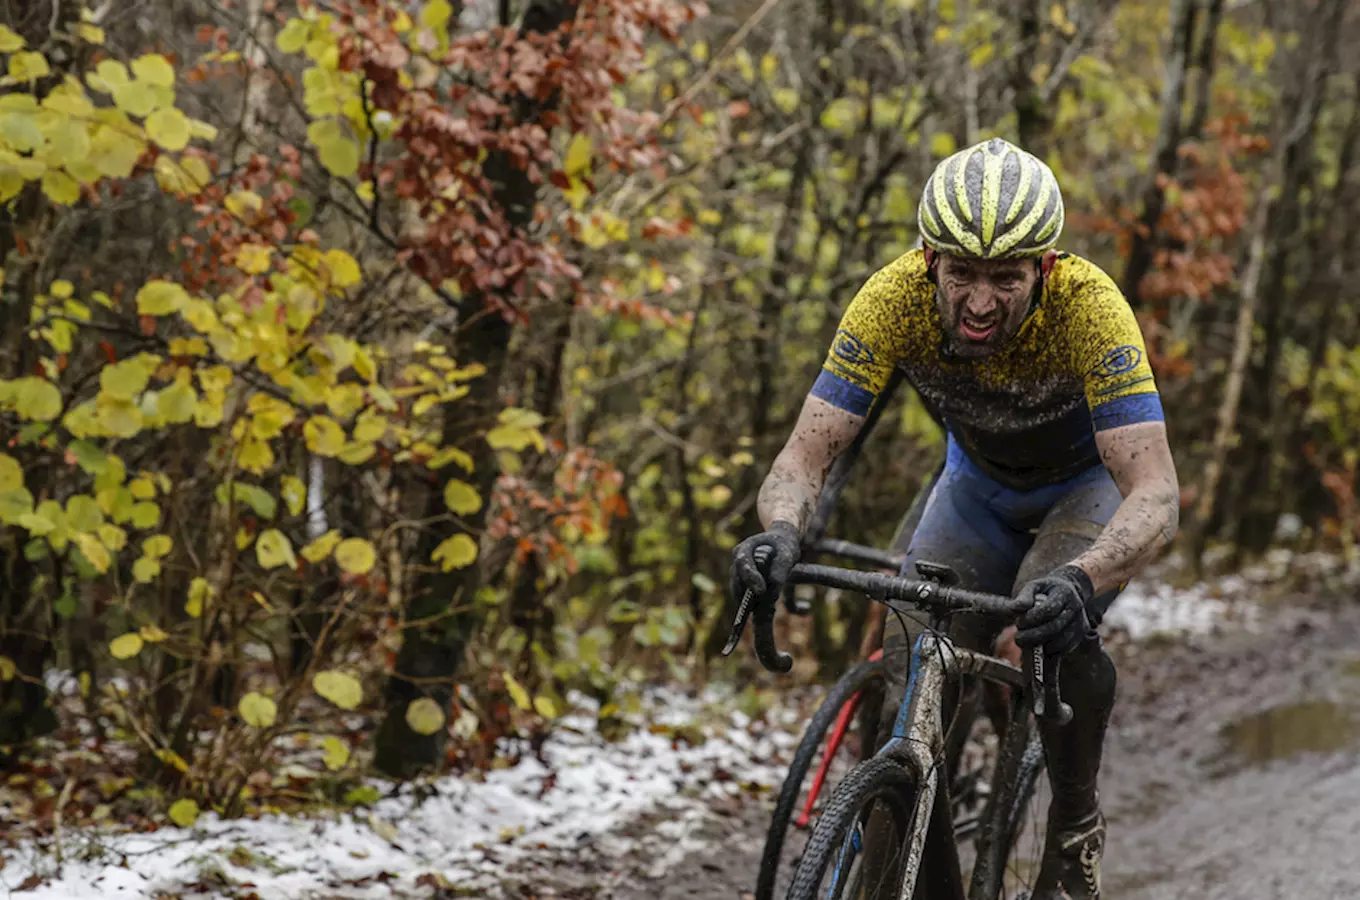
(983, 302)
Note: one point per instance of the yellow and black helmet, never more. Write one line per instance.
(991, 201)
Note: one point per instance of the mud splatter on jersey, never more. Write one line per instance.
(1028, 413)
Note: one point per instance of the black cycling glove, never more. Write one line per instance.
(1056, 619)
(785, 545)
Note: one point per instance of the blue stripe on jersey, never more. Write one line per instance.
(1128, 410)
(842, 394)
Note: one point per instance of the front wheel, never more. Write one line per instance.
(876, 801)
(862, 676)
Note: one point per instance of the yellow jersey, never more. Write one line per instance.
(1028, 413)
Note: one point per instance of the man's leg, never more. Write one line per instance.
(1076, 829)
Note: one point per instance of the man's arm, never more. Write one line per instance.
(1139, 459)
(790, 491)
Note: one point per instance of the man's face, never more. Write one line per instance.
(983, 302)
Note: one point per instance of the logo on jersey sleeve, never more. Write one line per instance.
(1119, 361)
(852, 350)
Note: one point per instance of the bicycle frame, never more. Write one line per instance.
(918, 741)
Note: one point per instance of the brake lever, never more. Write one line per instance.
(1048, 702)
(762, 555)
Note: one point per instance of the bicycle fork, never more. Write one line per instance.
(918, 742)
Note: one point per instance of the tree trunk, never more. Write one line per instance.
(1165, 148)
(444, 601)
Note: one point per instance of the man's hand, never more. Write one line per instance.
(1056, 619)
(785, 545)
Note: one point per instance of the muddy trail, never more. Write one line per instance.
(1232, 770)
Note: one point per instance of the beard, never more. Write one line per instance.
(970, 338)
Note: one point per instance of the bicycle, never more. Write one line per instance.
(826, 728)
(898, 795)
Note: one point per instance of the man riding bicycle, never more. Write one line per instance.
(1058, 483)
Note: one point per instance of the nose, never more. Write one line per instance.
(982, 301)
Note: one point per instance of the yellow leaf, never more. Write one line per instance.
(517, 691)
(126, 646)
(113, 537)
(197, 169)
(152, 635)
(461, 498)
(154, 69)
(338, 151)
(157, 546)
(293, 37)
(125, 380)
(136, 98)
(257, 710)
(324, 436)
(178, 403)
(273, 549)
(435, 16)
(424, 716)
(356, 555)
(545, 706)
(183, 812)
(370, 427)
(450, 455)
(9, 40)
(200, 592)
(334, 753)
(28, 66)
(344, 270)
(94, 551)
(577, 159)
(293, 492)
(356, 453)
(339, 688)
(455, 552)
(90, 34)
(83, 513)
(7, 669)
(142, 488)
(146, 570)
(60, 187)
(243, 204)
(943, 144)
(168, 127)
(254, 259)
(170, 757)
(11, 473)
(161, 298)
(321, 548)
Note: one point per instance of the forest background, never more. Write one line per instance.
(387, 378)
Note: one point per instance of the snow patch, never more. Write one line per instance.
(464, 830)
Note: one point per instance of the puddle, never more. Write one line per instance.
(1149, 609)
(1313, 726)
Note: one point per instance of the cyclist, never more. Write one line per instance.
(1058, 483)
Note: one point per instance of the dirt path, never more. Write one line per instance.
(1232, 771)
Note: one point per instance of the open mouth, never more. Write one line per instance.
(977, 329)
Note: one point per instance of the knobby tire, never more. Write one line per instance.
(814, 735)
(878, 779)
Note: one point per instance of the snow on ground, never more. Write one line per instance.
(463, 830)
(467, 831)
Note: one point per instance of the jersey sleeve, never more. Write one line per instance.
(1109, 351)
(868, 344)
